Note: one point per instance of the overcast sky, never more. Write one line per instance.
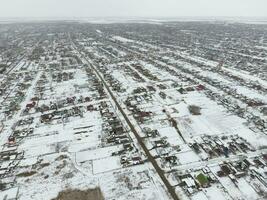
(131, 8)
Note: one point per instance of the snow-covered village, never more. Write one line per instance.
(134, 110)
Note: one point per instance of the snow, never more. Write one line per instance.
(106, 164)
(199, 196)
(247, 190)
(76, 154)
(9, 193)
(122, 39)
(215, 192)
(187, 157)
(96, 154)
(28, 161)
(247, 76)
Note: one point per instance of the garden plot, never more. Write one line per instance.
(97, 154)
(134, 183)
(213, 120)
(187, 157)
(38, 177)
(106, 164)
(11, 193)
(171, 136)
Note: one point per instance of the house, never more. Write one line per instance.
(136, 160)
(181, 90)
(200, 87)
(202, 180)
(171, 159)
(31, 105)
(189, 182)
(225, 170)
(11, 140)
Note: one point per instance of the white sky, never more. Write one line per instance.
(132, 8)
